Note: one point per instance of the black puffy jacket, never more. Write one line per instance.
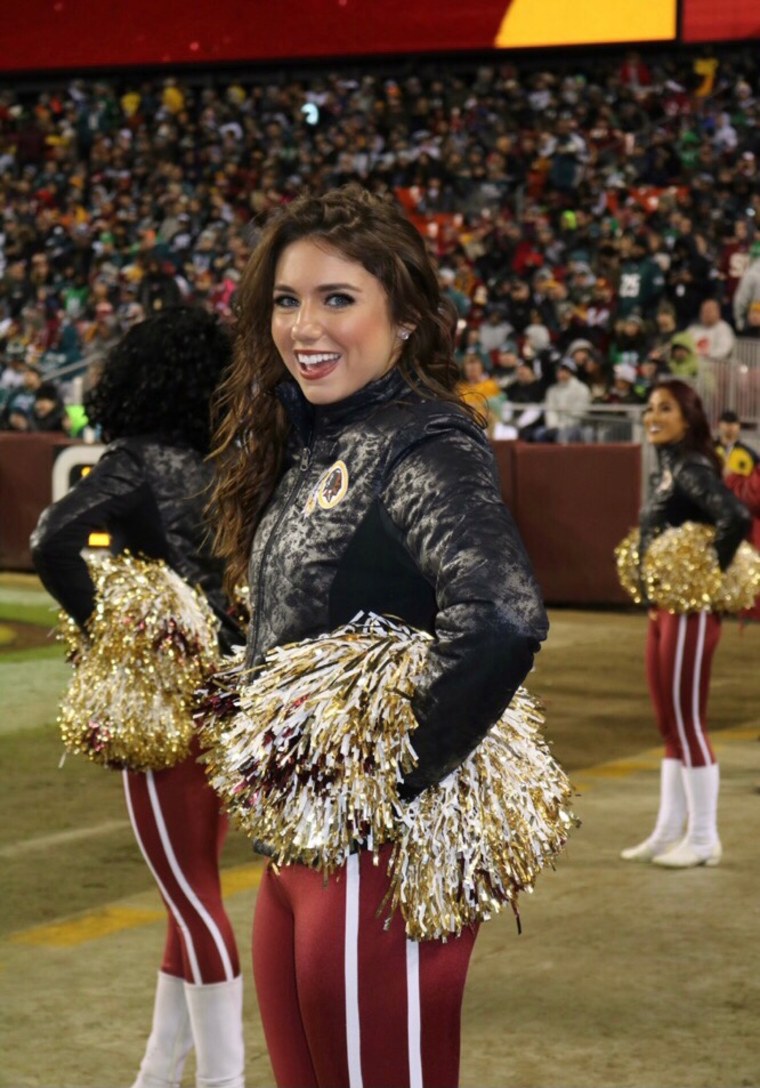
(150, 496)
(389, 503)
(687, 487)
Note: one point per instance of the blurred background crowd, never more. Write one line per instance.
(594, 224)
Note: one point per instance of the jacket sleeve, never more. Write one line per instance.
(721, 508)
(444, 501)
(109, 494)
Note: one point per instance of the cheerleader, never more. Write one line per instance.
(148, 492)
(352, 479)
(687, 487)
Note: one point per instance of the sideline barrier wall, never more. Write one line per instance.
(572, 504)
(26, 474)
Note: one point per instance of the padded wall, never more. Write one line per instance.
(572, 505)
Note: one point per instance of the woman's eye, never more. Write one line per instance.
(338, 301)
(285, 302)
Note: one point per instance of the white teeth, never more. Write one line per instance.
(313, 360)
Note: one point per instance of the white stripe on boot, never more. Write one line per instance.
(668, 829)
(216, 1015)
(701, 846)
(170, 1039)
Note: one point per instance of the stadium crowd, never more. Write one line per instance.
(593, 221)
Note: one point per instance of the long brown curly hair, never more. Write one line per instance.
(252, 430)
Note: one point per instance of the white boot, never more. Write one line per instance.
(170, 1039)
(216, 1014)
(701, 846)
(668, 829)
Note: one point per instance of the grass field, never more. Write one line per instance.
(624, 976)
(64, 837)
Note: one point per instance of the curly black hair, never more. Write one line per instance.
(160, 377)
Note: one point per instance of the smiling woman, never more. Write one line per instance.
(331, 322)
(352, 480)
(682, 638)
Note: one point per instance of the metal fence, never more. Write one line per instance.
(733, 383)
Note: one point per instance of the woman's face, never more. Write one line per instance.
(330, 322)
(663, 419)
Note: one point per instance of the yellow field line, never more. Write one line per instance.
(109, 920)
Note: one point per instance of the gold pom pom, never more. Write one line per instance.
(149, 645)
(680, 571)
(308, 753)
(627, 560)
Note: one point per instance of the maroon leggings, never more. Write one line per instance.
(346, 1002)
(679, 655)
(180, 830)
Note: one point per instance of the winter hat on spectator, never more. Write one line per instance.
(626, 372)
(728, 416)
(580, 345)
(47, 391)
(566, 363)
(538, 337)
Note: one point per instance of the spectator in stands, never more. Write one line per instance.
(592, 369)
(158, 288)
(736, 456)
(48, 412)
(683, 360)
(713, 337)
(449, 290)
(747, 296)
(470, 344)
(17, 412)
(495, 330)
(630, 342)
(689, 280)
(566, 403)
(641, 282)
(623, 389)
(12, 375)
(733, 259)
(666, 328)
(527, 389)
(506, 363)
(477, 387)
(651, 370)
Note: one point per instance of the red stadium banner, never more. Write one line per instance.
(39, 35)
(706, 21)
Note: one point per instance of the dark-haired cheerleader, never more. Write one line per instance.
(148, 491)
(687, 492)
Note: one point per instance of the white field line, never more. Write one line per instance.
(62, 838)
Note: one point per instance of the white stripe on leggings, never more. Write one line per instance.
(699, 654)
(677, 677)
(181, 880)
(677, 670)
(351, 974)
(413, 1021)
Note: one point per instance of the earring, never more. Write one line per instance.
(404, 334)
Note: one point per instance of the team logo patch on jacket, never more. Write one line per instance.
(331, 489)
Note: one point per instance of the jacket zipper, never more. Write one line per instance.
(303, 466)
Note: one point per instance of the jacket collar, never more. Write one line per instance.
(306, 418)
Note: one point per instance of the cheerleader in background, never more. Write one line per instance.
(680, 647)
(148, 491)
(747, 490)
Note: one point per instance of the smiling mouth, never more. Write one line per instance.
(316, 364)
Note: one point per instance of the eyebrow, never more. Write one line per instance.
(323, 287)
